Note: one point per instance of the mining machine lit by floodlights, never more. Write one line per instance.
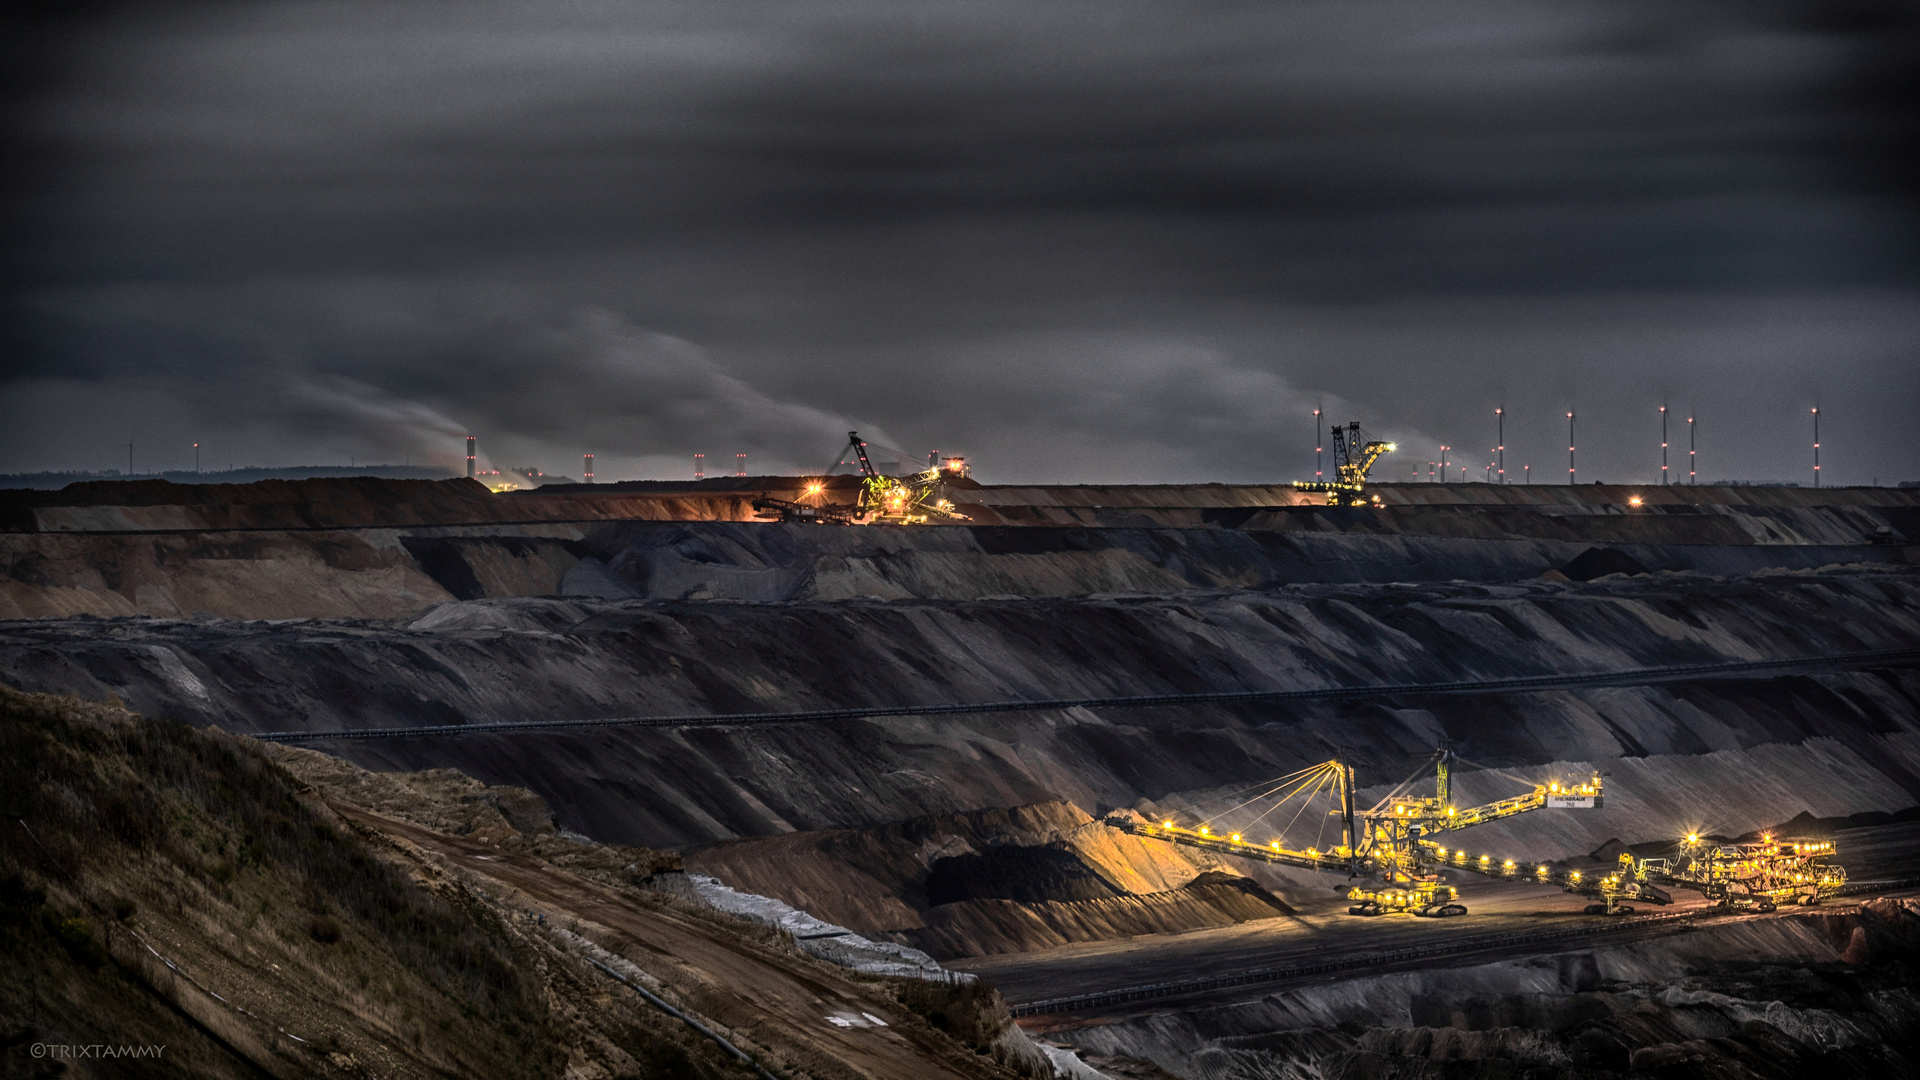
(1388, 843)
(900, 500)
(1352, 460)
(1756, 877)
(912, 499)
(1747, 877)
(1402, 844)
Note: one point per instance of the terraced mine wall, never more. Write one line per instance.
(1735, 753)
(386, 549)
(341, 604)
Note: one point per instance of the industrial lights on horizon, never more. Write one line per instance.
(1663, 444)
(1816, 446)
(1500, 451)
(1318, 446)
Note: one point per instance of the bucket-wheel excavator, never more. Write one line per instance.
(1399, 832)
(913, 499)
(1352, 460)
(1388, 843)
(1402, 845)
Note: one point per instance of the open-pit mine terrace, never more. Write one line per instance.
(1730, 657)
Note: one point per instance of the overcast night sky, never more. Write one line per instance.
(1098, 241)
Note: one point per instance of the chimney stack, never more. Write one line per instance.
(470, 441)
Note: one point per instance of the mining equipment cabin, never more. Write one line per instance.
(1398, 844)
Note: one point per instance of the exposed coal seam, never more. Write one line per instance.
(1630, 677)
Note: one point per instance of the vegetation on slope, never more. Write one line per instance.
(164, 886)
(127, 840)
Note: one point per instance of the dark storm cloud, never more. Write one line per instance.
(1094, 241)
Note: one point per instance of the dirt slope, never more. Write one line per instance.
(775, 1000)
(992, 881)
(163, 886)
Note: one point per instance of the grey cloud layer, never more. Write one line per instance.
(1093, 240)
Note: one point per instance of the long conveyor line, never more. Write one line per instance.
(1624, 677)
